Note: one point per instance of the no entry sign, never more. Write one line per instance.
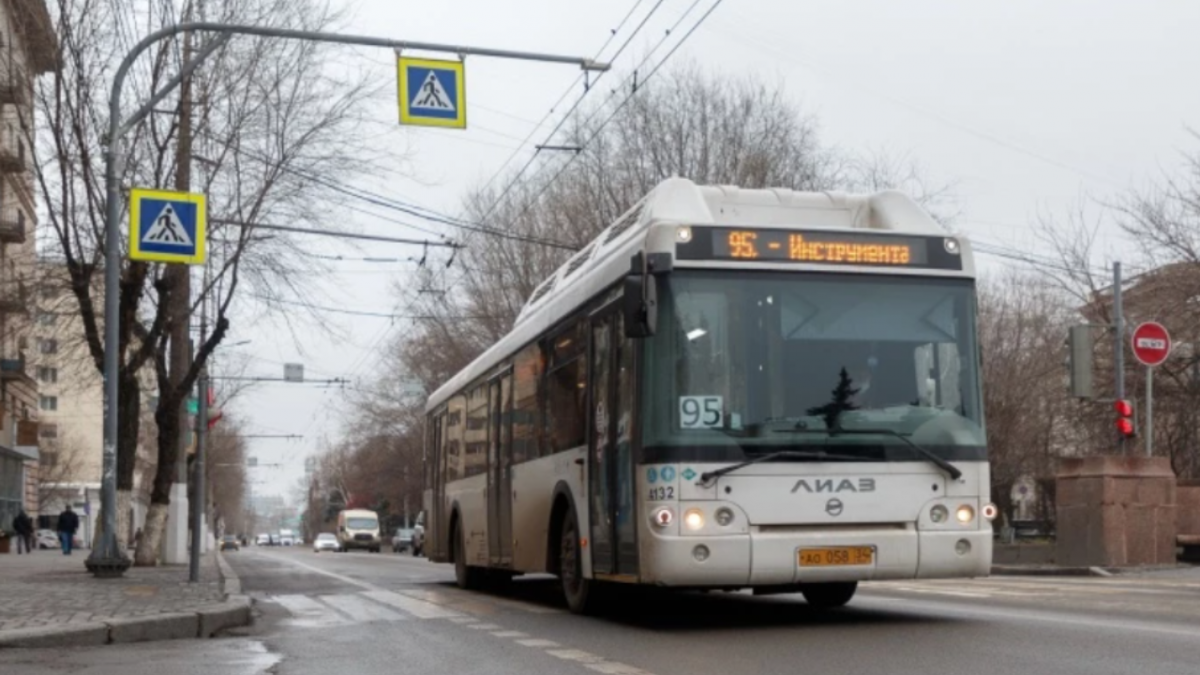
(1151, 343)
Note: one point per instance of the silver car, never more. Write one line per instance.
(325, 541)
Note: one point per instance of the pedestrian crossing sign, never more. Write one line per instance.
(432, 93)
(166, 226)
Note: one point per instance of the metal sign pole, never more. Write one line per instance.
(1149, 411)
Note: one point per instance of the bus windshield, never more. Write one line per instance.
(747, 363)
(362, 523)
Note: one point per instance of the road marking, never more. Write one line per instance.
(418, 608)
(309, 612)
(360, 609)
(484, 626)
(462, 619)
(510, 634)
(614, 668)
(1025, 616)
(575, 655)
(537, 642)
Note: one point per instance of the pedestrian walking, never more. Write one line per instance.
(23, 526)
(68, 523)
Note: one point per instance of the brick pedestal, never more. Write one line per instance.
(1116, 512)
(1188, 501)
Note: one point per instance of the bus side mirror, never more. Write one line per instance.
(640, 305)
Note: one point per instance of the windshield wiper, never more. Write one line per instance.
(949, 468)
(794, 454)
(942, 464)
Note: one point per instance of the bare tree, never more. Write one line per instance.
(267, 116)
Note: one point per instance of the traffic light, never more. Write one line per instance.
(1125, 425)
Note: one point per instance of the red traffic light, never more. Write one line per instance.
(1125, 427)
(1124, 420)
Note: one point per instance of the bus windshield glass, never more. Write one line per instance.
(362, 523)
(749, 363)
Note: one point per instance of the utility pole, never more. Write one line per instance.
(1118, 344)
(199, 509)
(180, 277)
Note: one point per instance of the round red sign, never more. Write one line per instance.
(1151, 343)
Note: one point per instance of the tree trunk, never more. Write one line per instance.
(164, 477)
(148, 547)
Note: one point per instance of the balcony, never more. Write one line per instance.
(13, 369)
(15, 86)
(12, 157)
(12, 231)
(14, 298)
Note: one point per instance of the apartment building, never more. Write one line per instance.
(27, 49)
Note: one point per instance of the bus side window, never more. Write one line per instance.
(475, 461)
(452, 446)
(566, 390)
(528, 367)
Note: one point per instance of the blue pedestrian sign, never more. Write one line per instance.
(432, 93)
(166, 226)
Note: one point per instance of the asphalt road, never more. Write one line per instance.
(361, 613)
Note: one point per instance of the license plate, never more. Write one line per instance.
(847, 555)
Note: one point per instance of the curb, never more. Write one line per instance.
(1041, 571)
(231, 584)
(203, 622)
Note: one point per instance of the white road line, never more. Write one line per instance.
(539, 643)
(308, 611)
(1026, 616)
(360, 609)
(614, 668)
(418, 608)
(575, 655)
(462, 619)
(484, 626)
(510, 634)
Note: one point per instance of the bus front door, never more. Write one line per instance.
(499, 481)
(610, 465)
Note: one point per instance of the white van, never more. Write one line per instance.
(359, 528)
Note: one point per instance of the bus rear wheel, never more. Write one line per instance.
(829, 595)
(576, 589)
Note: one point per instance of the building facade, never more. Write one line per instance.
(28, 48)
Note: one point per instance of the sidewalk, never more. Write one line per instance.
(48, 599)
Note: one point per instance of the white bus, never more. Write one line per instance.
(726, 389)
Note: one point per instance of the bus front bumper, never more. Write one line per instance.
(772, 558)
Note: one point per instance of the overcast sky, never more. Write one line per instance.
(1029, 107)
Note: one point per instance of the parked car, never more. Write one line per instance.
(402, 540)
(46, 539)
(229, 543)
(326, 541)
(418, 540)
(262, 540)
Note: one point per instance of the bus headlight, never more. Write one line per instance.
(965, 514)
(662, 516)
(724, 516)
(684, 234)
(694, 519)
(939, 513)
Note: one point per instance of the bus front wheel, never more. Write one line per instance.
(466, 576)
(829, 595)
(576, 589)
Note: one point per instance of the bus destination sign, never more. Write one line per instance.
(820, 247)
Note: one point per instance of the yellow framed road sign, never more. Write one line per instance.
(432, 93)
(167, 226)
